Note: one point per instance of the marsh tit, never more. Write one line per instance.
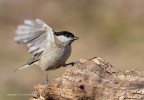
(49, 49)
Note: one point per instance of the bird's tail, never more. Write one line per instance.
(22, 67)
(25, 66)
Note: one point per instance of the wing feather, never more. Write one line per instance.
(35, 34)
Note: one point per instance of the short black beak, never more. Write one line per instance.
(75, 38)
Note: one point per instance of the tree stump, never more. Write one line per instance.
(93, 79)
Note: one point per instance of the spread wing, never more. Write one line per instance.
(35, 34)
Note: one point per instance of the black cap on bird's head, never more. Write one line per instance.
(65, 37)
(66, 34)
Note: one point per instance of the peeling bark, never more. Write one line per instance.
(93, 79)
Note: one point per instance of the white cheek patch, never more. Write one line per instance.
(64, 39)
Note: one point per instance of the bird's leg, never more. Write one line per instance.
(72, 63)
(46, 77)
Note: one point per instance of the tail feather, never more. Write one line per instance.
(22, 67)
(26, 66)
(33, 61)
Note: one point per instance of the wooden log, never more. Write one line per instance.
(93, 79)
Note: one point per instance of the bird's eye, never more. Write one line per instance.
(67, 35)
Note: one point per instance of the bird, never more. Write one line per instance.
(49, 49)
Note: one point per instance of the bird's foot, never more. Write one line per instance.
(46, 77)
(72, 63)
(46, 82)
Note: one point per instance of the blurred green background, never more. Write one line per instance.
(111, 29)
